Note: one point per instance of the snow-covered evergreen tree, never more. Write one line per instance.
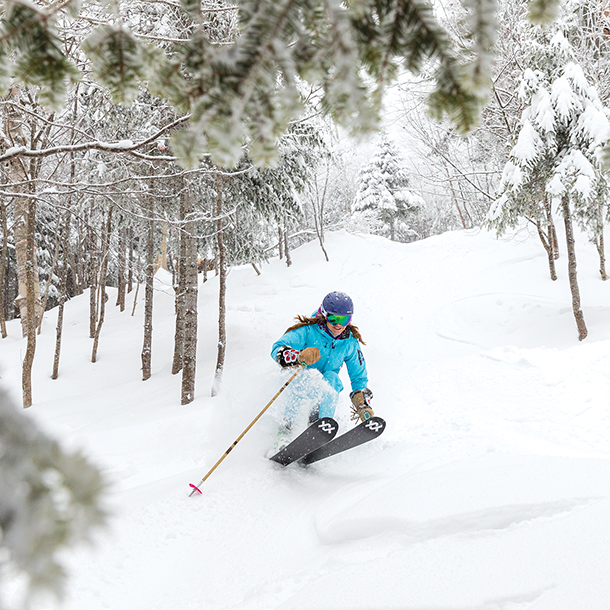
(563, 129)
(385, 196)
(556, 160)
(49, 499)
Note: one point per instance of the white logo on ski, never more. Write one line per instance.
(326, 427)
(373, 426)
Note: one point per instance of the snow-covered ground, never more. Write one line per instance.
(489, 490)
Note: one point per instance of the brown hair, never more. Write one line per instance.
(321, 320)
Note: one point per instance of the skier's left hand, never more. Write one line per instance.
(361, 405)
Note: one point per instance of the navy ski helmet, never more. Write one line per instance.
(337, 303)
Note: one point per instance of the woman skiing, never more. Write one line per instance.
(323, 343)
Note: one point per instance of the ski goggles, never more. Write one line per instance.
(337, 320)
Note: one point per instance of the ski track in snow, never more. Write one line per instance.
(489, 489)
(480, 522)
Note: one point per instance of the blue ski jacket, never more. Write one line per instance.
(333, 352)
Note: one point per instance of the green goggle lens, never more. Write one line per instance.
(336, 320)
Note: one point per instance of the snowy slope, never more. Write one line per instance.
(489, 490)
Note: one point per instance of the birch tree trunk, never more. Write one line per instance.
(189, 355)
(280, 245)
(138, 280)
(78, 261)
(163, 260)
(63, 297)
(76, 264)
(102, 284)
(578, 315)
(287, 249)
(33, 311)
(149, 274)
(130, 271)
(27, 266)
(4, 224)
(180, 291)
(552, 232)
(29, 324)
(93, 279)
(602, 255)
(317, 203)
(547, 244)
(121, 283)
(549, 237)
(222, 292)
(599, 244)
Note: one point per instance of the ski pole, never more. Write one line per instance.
(196, 487)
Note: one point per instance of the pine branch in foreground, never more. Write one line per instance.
(49, 499)
(542, 12)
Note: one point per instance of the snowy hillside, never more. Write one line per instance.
(489, 490)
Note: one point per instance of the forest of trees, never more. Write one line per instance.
(198, 135)
(141, 135)
(201, 135)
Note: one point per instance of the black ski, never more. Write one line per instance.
(364, 432)
(316, 435)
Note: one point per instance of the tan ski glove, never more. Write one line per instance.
(361, 405)
(309, 355)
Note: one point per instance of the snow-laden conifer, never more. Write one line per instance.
(563, 129)
(384, 193)
(555, 163)
(49, 499)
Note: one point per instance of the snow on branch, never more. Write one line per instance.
(122, 146)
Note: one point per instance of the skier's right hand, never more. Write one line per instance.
(287, 356)
(309, 355)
